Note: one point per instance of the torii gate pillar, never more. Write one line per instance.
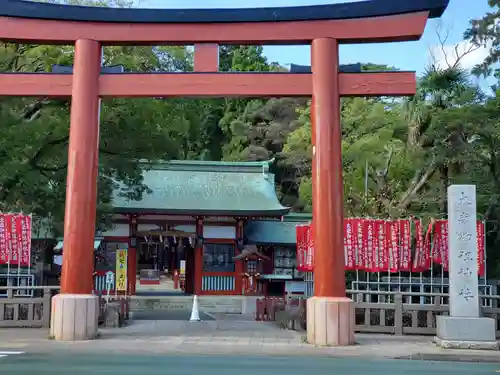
(75, 311)
(330, 314)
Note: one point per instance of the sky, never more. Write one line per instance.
(413, 56)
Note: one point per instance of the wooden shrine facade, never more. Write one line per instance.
(222, 256)
(196, 211)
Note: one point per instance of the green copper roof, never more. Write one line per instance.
(298, 217)
(200, 187)
(274, 231)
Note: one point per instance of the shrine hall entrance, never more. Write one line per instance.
(165, 264)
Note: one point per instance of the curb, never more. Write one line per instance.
(458, 357)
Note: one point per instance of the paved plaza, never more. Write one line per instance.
(231, 337)
(228, 346)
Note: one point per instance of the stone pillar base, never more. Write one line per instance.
(249, 305)
(74, 317)
(465, 333)
(330, 321)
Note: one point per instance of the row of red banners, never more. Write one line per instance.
(15, 239)
(440, 245)
(386, 246)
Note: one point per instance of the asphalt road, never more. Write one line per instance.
(111, 364)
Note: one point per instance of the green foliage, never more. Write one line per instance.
(485, 32)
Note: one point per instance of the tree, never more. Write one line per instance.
(35, 134)
(485, 32)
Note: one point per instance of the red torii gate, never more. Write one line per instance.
(330, 313)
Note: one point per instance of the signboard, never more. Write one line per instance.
(110, 279)
(183, 267)
(121, 270)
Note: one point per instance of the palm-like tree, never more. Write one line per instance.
(438, 89)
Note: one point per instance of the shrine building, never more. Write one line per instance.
(219, 224)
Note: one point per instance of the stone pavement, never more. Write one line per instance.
(172, 315)
(233, 337)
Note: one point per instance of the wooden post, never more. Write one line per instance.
(75, 311)
(132, 256)
(328, 204)
(206, 57)
(239, 266)
(81, 189)
(47, 299)
(398, 314)
(198, 257)
(330, 315)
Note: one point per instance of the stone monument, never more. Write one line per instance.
(465, 328)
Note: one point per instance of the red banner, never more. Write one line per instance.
(19, 234)
(25, 249)
(422, 260)
(379, 246)
(8, 236)
(481, 266)
(301, 233)
(349, 245)
(4, 254)
(360, 244)
(437, 250)
(310, 247)
(427, 261)
(444, 245)
(405, 245)
(375, 248)
(15, 239)
(383, 250)
(305, 248)
(419, 258)
(440, 248)
(368, 245)
(392, 237)
(15, 229)
(440, 243)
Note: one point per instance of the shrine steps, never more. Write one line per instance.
(207, 304)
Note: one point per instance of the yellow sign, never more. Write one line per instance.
(121, 270)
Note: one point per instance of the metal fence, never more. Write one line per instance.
(415, 288)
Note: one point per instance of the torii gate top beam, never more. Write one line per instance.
(359, 22)
(362, 9)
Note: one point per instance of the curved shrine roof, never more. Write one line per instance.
(362, 9)
(275, 232)
(206, 188)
